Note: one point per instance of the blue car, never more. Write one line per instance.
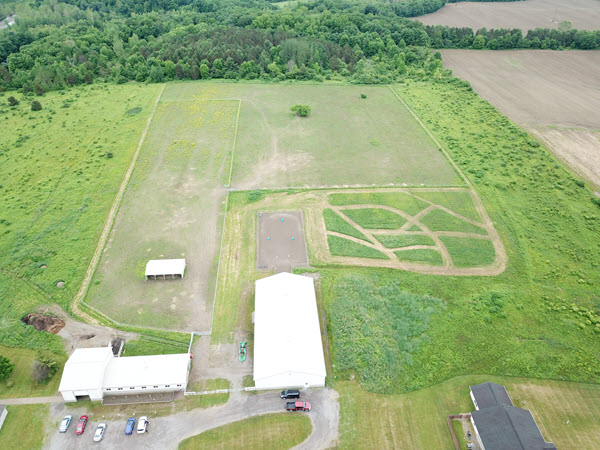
(130, 426)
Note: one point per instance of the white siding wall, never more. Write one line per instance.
(290, 380)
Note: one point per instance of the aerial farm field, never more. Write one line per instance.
(553, 94)
(526, 15)
(346, 141)
(172, 209)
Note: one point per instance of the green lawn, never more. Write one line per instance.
(467, 252)
(60, 169)
(339, 246)
(438, 220)
(400, 421)
(140, 347)
(403, 240)
(427, 256)
(346, 140)
(271, 431)
(460, 202)
(13, 434)
(23, 385)
(402, 201)
(375, 218)
(335, 222)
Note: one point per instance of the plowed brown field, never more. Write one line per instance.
(526, 15)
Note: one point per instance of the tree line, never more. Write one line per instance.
(56, 44)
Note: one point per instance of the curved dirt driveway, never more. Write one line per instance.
(167, 432)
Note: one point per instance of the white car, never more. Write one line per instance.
(142, 425)
(64, 425)
(99, 432)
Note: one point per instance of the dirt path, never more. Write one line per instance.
(109, 222)
(167, 432)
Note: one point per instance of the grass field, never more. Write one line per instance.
(23, 385)
(346, 140)
(527, 15)
(187, 154)
(271, 431)
(146, 346)
(401, 421)
(60, 169)
(12, 434)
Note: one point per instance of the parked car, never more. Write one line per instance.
(99, 432)
(290, 393)
(64, 425)
(297, 406)
(143, 425)
(130, 426)
(81, 425)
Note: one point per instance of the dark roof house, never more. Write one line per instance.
(499, 425)
(489, 394)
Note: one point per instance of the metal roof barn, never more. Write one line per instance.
(288, 350)
(165, 268)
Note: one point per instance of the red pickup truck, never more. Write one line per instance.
(297, 406)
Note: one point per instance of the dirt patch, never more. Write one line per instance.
(44, 323)
(578, 148)
(281, 243)
(583, 14)
(60, 284)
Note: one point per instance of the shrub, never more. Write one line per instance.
(363, 95)
(301, 110)
(44, 367)
(6, 367)
(36, 106)
(12, 101)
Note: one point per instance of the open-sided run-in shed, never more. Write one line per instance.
(165, 268)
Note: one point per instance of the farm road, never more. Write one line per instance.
(167, 432)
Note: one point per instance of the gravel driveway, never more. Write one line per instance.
(167, 432)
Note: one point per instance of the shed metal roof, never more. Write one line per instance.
(155, 370)
(156, 267)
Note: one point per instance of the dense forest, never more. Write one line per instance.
(59, 43)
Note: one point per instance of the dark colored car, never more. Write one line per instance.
(130, 426)
(81, 425)
(297, 406)
(290, 393)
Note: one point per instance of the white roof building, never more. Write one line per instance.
(94, 372)
(288, 349)
(165, 267)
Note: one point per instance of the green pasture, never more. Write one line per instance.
(338, 246)
(60, 169)
(403, 240)
(424, 255)
(346, 140)
(172, 209)
(270, 431)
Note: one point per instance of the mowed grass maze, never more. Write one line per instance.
(408, 226)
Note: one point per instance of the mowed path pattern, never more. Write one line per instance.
(553, 94)
(526, 15)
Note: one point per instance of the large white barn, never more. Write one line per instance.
(96, 372)
(288, 349)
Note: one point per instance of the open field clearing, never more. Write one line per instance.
(565, 412)
(271, 431)
(555, 95)
(526, 15)
(60, 169)
(346, 140)
(172, 209)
